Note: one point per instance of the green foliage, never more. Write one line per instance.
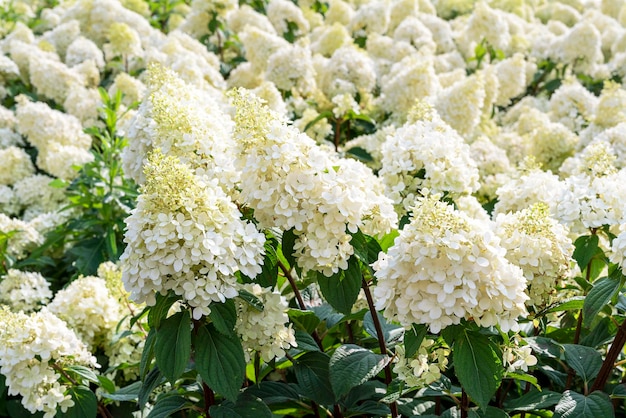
(172, 347)
(351, 365)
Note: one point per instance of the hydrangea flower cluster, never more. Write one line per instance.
(517, 357)
(24, 291)
(290, 182)
(264, 331)
(445, 267)
(426, 154)
(88, 308)
(540, 246)
(424, 367)
(186, 235)
(32, 346)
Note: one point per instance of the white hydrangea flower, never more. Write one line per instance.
(611, 108)
(516, 357)
(283, 12)
(83, 49)
(88, 308)
(16, 165)
(580, 47)
(24, 291)
(260, 45)
(52, 78)
(424, 367)
(31, 346)
(493, 165)
(23, 236)
(291, 69)
(511, 74)
(540, 246)
(264, 332)
(616, 137)
(186, 236)
(617, 253)
(461, 104)
(426, 154)
(371, 17)
(290, 182)
(573, 105)
(445, 267)
(184, 122)
(350, 71)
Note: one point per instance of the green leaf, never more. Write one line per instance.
(160, 309)
(489, 412)
(251, 300)
(269, 270)
(586, 361)
(312, 373)
(166, 405)
(360, 154)
(305, 341)
(323, 115)
(619, 391)
(220, 361)
(127, 393)
(524, 377)
(147, 354)
(152, 380)
(341, 290)
(585, 248)
(533, 400)
(478, 366)
(574, 304)
(289, 239)
(575, 405)
(388, 240)
(274, 392)
(84, 372)
(351, 365)
(104, 382)
(365, 247)
(247, 406)
(172, 347)
(369, 408)
(305, 320)
(88, 255)
(85, 403)
(391, 332)
(600, 294)
(224, 316)
(413, 338)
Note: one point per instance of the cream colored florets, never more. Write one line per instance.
(445, 267)
(424, 367)
(24, 291)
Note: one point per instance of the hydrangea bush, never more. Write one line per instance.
(312, 208)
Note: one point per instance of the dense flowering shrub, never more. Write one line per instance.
(312, 208)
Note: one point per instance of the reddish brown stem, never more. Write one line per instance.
(611, 357)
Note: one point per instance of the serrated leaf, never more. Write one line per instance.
(160, 309)
(586, 361)
(312, 373)
(147, 354)
(274, 392)
(369, 408)
(247, 406)
(573, 304)
(489, 412)
(104, 382)
(288, 241)
(153, 379)
(224, 316)
(533, 401)
(251, 300)
(305, 341)
(127, 393)
(305, 320)
(360, 154)
(619, 391)
(391, 332)
(89, 254)
(600, 294)
(575, 405)
(413, 338)
(366, 248)
(585, 248)
(351, 365)
(166, 405)
(341, 290)
(220, 361)
(85, 403)
(478, 366)
(269, 269)
(172, 347)
(84, 372)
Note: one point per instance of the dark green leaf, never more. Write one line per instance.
(220, 361)
(247, 406)
(489, 412)
(575, 405)
(341, 290)
(326, 313)
(305, 320)
(585, 248)
(251, 300)
(127, 393)
(586, 361)
(351, 365)
(312, 373)
(413, 338)
(88, 255)
(533, 400)
(602, 333)
(366, 248)
(85, 403)
(391, 332)
(84, 372)
(274, 392)
(172, 347)
(104, 382)
(269, 272)
(323, 115)
(224, 316)
(369, 408)
(450, 333)
(600, 294)
(478, 366)
(305, 341)
(289, 239)
(574, 304)
(619, 391)
(360, 154)
(160, 309)
(166, 405)
(147, 354)
(152, 380)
